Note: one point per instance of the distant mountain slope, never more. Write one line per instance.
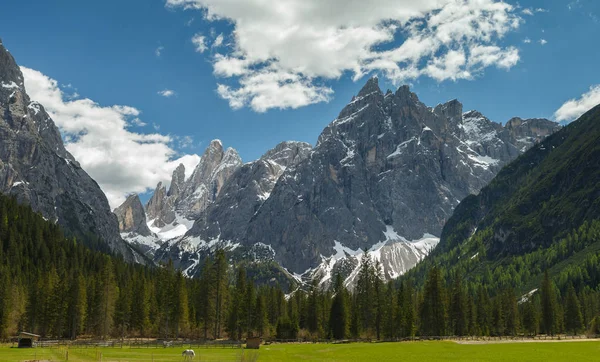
(385, 175)
(542, 211)
(36, 168)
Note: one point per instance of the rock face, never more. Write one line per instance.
(227, 218)
(171, 213)
(387, 165)
(132, 217)
(36, 168)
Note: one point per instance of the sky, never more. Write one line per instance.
(138, 86)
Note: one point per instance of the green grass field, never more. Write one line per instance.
(407, 351)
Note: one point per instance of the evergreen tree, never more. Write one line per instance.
(220, 288)
(573, 316)
(433, 309)
(338, 316)
(365, 295)
(458, 308)
(548, 301)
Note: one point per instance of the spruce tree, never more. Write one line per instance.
(573, 316)
(433, 310)
(458, 308)
(548, 304)
(338, 316)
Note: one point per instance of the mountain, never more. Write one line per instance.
(227, 218)
(133, 225)
(36, 168)
(186, 199)
(385, 175)
(541, 212)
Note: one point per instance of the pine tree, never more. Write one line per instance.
(433, 310)
(236, 316)
(77, 306)
(483, 311)
(220, 287)
(206, 303)
(181, 305)
(261, 323)
(140, 307)
(338, 316)
(573, 316)
(530, 317)
(548, 301)
(4, 301)
(314, 309)
(458, 308)
(364, 291)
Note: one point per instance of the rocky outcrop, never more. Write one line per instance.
(132, 217)
(36, 168)
(226, 219)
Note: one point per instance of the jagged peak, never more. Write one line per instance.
(452, 109)
(10, 73)
(473, 113)
(231, 152)
(275, 153)
(372, 86)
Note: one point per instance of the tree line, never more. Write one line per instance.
(59, 288)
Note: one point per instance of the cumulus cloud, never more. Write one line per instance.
(120, 161)
(167, 93)
(574, 108)
(218, 41)
(199, 41)
(159, 50)
(281, 56)
(543, 41)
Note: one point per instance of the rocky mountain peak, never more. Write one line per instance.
(177, 181)
(131, 216)
(372, 86)
(36, 168)
(288, 152)
(451, 110)
(10, 74)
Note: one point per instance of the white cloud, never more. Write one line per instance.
(526, 40)
(199, 41)
(282, 54)
(120, 161)
(158, 51)
(218, 41)
(138, 122)
(574, 108)
(543, 41)
(527, 11)
(167, 93)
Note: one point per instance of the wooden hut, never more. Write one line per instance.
(27, 340)
(253, 342)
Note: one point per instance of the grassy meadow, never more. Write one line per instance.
(408, 351)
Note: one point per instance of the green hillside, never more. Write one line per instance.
(541, 212)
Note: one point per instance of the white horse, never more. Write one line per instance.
(188, 354)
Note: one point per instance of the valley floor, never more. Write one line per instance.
(405, 351)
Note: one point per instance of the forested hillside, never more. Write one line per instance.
(540, 213)
(57, 287)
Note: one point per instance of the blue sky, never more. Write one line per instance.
(107, 52)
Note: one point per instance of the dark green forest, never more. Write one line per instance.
(56, 287)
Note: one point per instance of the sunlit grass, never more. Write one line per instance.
(406, 351)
